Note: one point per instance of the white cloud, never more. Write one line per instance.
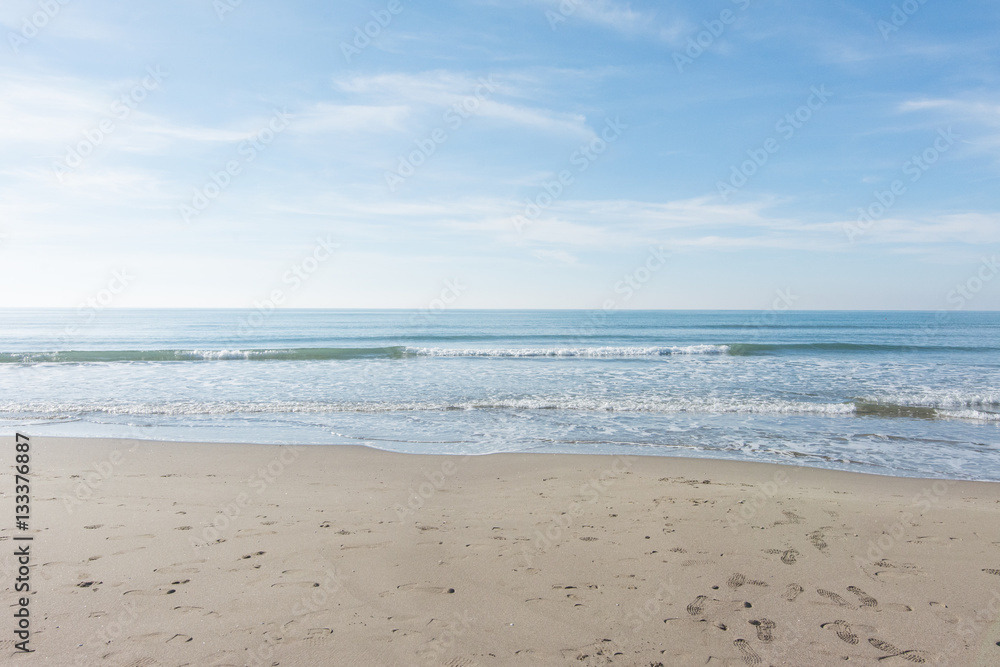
(325, 117)
(969, 112)
(557, 256)
(439, 90)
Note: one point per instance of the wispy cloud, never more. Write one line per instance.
(438, 90)
(617, 16)
(557, 256)
(325, 117)
(981, 115)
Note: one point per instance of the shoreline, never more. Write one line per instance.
(513, 558)
(238, 443)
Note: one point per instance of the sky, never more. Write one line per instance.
(731, 154)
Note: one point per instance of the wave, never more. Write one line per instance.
(344, 353)
(580, 404)
(968, 410)
(588, 352)
(401, 351)
(933, 405)
(290, 354)
(755, 349)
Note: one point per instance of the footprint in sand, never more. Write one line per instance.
(697, 606)
(788, 556)
(816, 539)
(865, 599)
(843, 631)
(739, 579)
(793, 517)
(792, 592)
(424, 589)
(176, 570)
(159, 591)
(830, 595)
(195, 610)
(749, 656)
(886, 647)
(892, 569)
(142, 662)
(179, 568)
(317, 635)
(764, 627)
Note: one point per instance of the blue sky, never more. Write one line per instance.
(532, 152)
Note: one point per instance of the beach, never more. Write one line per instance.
(163, 553)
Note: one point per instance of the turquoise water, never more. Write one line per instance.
(897, 393)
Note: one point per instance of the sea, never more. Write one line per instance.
(911, 394)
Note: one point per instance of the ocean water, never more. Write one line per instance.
(894, 393)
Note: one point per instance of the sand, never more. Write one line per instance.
(149, 553)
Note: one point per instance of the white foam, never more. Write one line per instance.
(591, 352)
(581, 404)
(939, 398)
(974, 415)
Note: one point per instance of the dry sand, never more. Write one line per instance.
(151, 553)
